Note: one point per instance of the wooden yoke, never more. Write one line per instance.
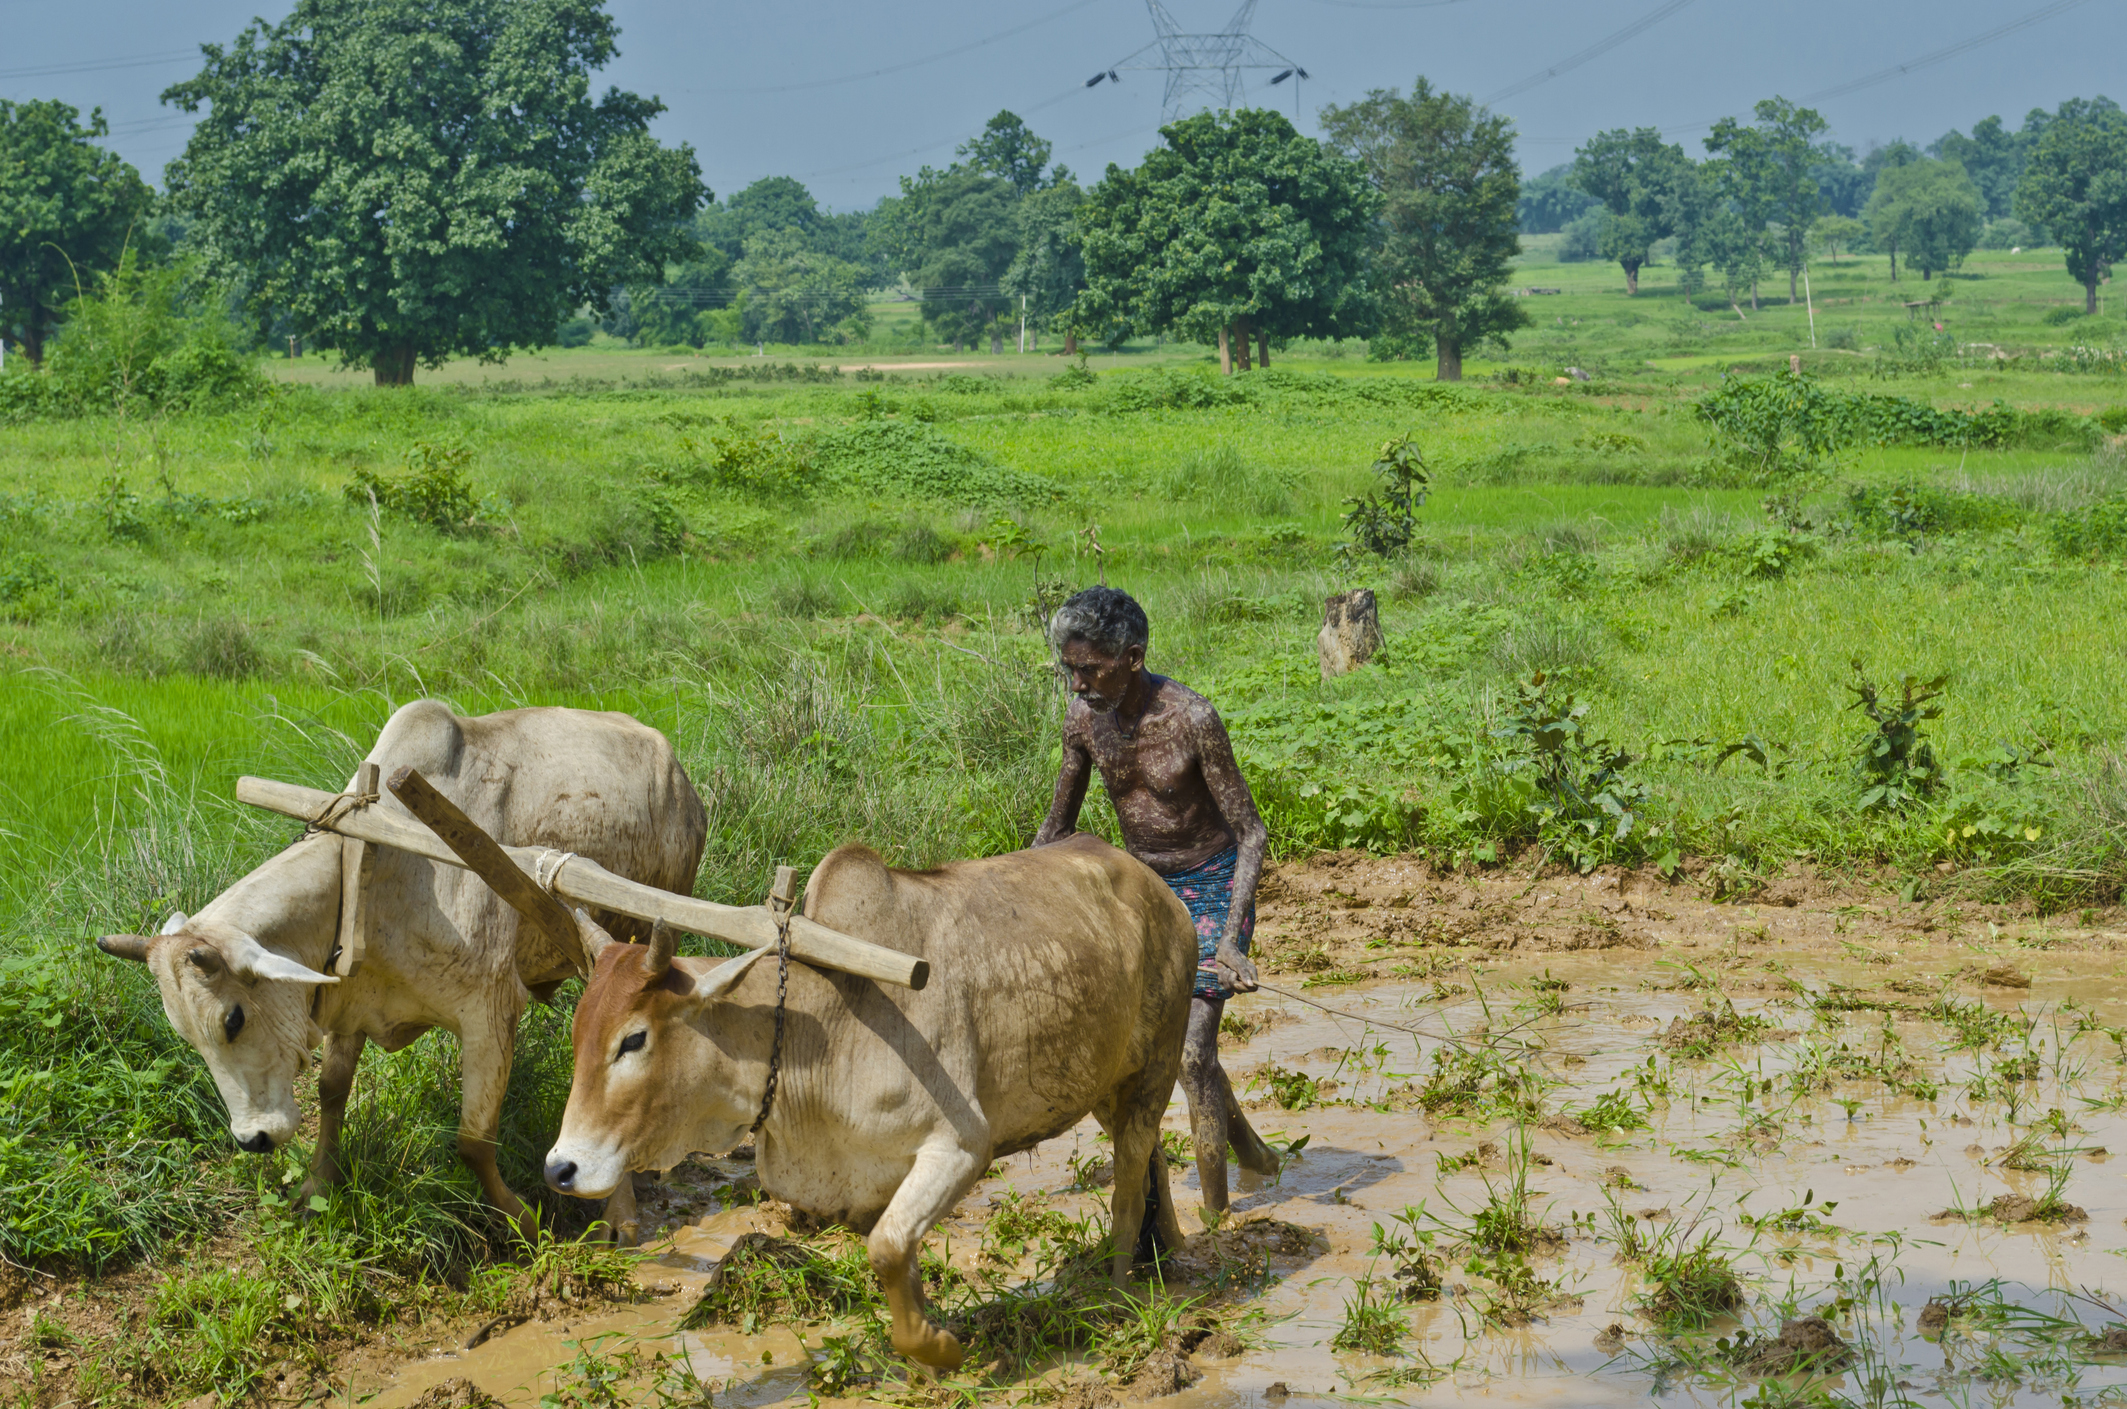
(544, 917)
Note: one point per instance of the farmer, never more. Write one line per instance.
(1186, 812)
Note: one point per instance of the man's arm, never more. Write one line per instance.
(1214, 752)
(1071, 782)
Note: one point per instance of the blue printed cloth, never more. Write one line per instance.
(1207, 889)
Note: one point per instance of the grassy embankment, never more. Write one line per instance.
(824, 588)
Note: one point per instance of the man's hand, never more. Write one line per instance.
(1235, 968)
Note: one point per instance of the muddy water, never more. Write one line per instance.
(1712, 1158)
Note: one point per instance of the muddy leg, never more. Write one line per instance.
(335, 1083)
(619, 1221)
(941, 1174)
(487, 1042)
(1204, 1083)
(1140, 1167)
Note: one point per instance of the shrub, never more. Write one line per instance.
(2099, 531)
(893, 459)
(1896, 765)
(434, 489)
(146, 341)
(1220, 477)
(1383, 523)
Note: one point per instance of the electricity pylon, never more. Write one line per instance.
(1203, 70)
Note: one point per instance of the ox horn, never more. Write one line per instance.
(125, 946)
(663, 945)
(594, 937)
(252, 961)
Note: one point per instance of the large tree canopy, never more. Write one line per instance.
(1930, 210)
(416, 179)
(1048, 270)
(1444, 168)
(1237, 227)
(66, 208)
(2075, 185)
(1638, 177)
(1766, 176)
(954, 234)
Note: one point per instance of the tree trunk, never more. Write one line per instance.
(1632, 279)
(1262, 349)
(2090, 297)
(1449, 366)
(1240, 346)
(996, 340)
(1894, 263)
(1791, 284)
(394, 366)
(1351, 632)
(1225, 349)
(1754, 293)
(32, 340)
(1070, 344)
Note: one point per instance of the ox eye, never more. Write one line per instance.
(633, 1042)
(233, 1024)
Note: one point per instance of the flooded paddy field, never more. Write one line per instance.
(1609, 1142)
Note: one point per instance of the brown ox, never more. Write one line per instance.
(1060, 985)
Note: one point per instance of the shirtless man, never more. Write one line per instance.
(1186, 812)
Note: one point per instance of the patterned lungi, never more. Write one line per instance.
(1207, 889)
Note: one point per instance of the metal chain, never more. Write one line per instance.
(782, 984)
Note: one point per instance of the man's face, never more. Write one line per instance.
(1097, 677)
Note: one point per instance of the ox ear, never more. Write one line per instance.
(251, 961)
(125, 946)
(595, 939)
(175, 923)
(725, 976)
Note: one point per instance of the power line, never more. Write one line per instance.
(137, 61)
(930, 146)
(911, 64)
(1951, 51)
(1597, 49)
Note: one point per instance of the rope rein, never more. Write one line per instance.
(547, 869)
(779, 903)
(336, 811)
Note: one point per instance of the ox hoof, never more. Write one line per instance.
(938, 1349)
(1262, 1161)
(622, 1235)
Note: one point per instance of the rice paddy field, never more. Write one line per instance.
(1727, 830)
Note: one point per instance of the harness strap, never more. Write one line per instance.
(779, 906)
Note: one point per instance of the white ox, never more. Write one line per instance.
(244, 981)
(1059, 985)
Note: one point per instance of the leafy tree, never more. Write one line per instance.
(1843, 185)
(1896, 153)
(1636, 176)
(2075, 185)
(674, 311)
(1836, 232)
(1049, 271)
(1931, 210)
(1449, 187)
(66, 209)
(791, 293)
(1767, 167)
(1236, 227)
(1008, 149)
(956, 238)
(1993, 157)
(1550, 201)
(417, 179)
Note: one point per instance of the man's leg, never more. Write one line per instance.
(1210, 1097)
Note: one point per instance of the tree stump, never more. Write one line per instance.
(1351, 632)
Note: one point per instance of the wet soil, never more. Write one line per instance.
(1807, 1106)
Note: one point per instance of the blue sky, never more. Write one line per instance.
(797, 88)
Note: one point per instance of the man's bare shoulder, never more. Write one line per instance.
(1186, 705)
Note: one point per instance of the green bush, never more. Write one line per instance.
(893, 459)
(147, 340)
(2100, 531)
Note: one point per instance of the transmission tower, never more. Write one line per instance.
(1203, 70)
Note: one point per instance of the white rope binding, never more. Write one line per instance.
(547, 869)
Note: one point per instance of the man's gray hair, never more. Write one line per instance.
(1105, 618)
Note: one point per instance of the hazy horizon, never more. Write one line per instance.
(797, 90)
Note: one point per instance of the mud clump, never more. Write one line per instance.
(458, 1393)
(1710, 1029)
(2112, 1341)
(1246, 1246)
(2021, 1208)
(1163, 1372)
(767, 1276)
(1934, 1317)
(1564, 1125)
(2005, 976)
(1807, 1343)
